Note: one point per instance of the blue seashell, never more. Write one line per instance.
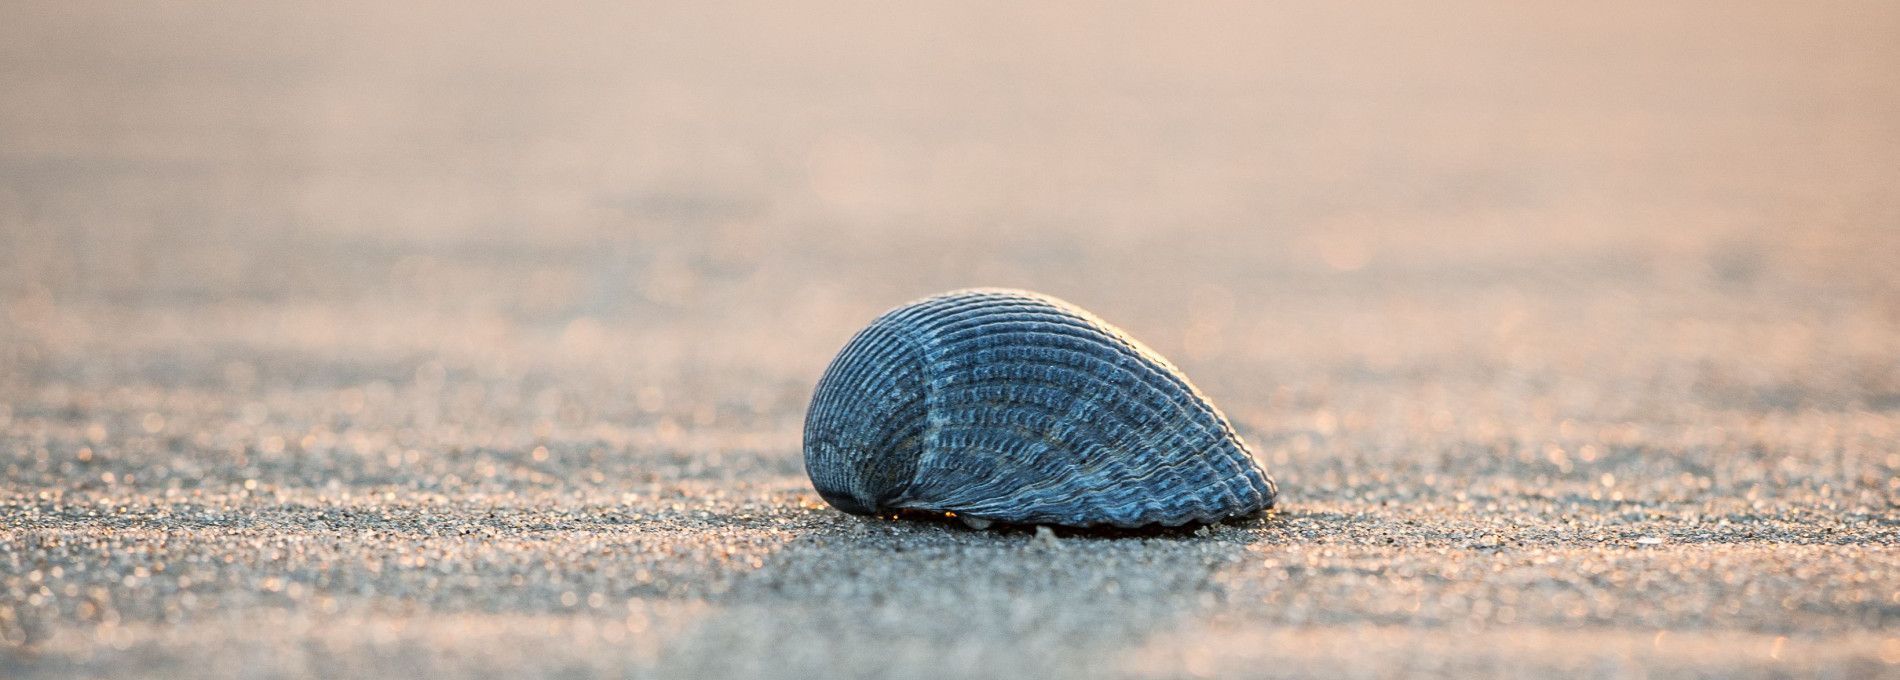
(1012, 406)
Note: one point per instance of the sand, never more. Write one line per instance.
(457, 340)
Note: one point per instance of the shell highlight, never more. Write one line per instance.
(1017, 407)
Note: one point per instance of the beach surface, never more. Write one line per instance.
(474, 340)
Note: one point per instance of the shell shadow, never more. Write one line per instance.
(915, 595)
(1188, 531)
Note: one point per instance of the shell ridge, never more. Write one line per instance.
(829, 432)
(944, 313)
(978, 318)
(1188, 430)
(1106, 486)
(1057, 420)
(1101, 482)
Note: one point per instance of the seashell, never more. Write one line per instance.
(1016, 407)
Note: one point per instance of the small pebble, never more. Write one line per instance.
(1046, 537)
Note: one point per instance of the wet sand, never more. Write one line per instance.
(466, 340)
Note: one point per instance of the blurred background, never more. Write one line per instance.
(486, 225)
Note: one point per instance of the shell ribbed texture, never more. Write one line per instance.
(1017, 407)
